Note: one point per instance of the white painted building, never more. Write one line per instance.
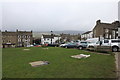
(46, 39)
(87, 35)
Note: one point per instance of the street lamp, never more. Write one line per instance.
(51, 36)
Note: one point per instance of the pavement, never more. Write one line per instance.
(117, 56)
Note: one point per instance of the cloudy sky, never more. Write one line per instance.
(57, 15)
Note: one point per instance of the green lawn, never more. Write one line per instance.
(16, 64)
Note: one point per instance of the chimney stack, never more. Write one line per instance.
(16, 30)
(5, 30)
(98, 21)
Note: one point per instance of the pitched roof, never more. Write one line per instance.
(87, 32)
(49, 36)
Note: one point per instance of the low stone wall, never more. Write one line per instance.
(103, 48)
(117, 61)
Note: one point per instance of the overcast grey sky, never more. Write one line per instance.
(46, 15)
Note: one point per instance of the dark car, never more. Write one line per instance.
(70, 45)
(53, 45)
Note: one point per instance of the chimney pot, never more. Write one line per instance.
(98, 21)
(16, 30)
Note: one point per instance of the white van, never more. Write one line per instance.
(93, 42)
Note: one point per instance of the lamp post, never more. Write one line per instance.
(51, 36)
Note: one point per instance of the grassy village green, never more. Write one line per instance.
(16, 64)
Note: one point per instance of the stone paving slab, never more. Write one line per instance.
(38, 63)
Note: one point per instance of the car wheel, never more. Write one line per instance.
(66, 47)
(80, 47)
(115, 49)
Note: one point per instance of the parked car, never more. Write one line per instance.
(93, 44)
(82, 44)
(37, 46)
(70, 45)
(114, 43)
(53, 45)
(63, 45)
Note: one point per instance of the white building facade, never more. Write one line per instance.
(87, 35)
(46, 39)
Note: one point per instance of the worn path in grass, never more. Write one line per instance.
(16, 64)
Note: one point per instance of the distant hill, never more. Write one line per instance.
(38, 34)
(69, 32)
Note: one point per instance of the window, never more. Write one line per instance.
(46, 42)
(28, 36)
(106, 35)
(28, 40)
(19, 40)
(23, 36)
(106, 41)
(106, 30)
(97, 42)
(84, 42)
(9, 40)
(115, 41)
(113, 33)
(19, 36)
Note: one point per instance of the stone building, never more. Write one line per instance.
(16, 39)
(68, 37)
(106, 30)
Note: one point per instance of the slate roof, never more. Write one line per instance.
(87, 32)
(49, 36)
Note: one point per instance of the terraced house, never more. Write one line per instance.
(106, 30)
(16, 39)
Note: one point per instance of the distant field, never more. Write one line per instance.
(16, 64)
